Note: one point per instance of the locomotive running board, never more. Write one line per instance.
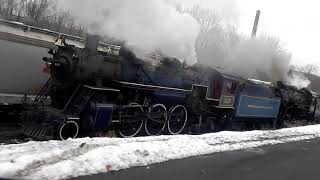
(150, 87)
(100, 88)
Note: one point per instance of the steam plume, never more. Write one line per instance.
(167, 26)
(260, 58)
(298, 80)
(148, 24)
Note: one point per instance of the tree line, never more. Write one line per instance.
(40, 13)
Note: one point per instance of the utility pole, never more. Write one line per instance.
(255, 25)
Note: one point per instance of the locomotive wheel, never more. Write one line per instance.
(69, 129)
(177, 119)
(156, 121)
(130, 123)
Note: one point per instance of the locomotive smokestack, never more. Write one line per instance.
(255, 25)
(92, 42)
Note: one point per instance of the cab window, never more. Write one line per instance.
(217, 89)
(231, 87)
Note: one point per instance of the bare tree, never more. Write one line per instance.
(214, 41)
(8, 7)
(2, 2)
(41, 13)
(36, 8)
(61, 18)
(22, 4)
(308, 69)
(221, 45)
(205, 17)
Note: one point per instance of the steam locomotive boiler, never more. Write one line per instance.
(94, 91)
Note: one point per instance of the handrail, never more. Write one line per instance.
(29, 28)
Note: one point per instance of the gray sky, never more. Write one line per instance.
(295, 22)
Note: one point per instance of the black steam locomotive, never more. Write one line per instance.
(94, 90)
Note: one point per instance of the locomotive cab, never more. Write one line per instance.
(222, 88)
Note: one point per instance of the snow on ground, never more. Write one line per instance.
(76, 157)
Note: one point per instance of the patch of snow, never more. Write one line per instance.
(77, 157)
(19, 23)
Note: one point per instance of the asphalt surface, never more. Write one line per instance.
(292, 161)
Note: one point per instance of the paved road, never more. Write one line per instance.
(292, 161)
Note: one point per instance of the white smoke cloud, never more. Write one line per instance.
(148, 24)
(260, 58)
(228, 9)
(165, 25)
(264, 59)
(298, 80)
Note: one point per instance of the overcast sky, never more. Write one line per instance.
(295, 22)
